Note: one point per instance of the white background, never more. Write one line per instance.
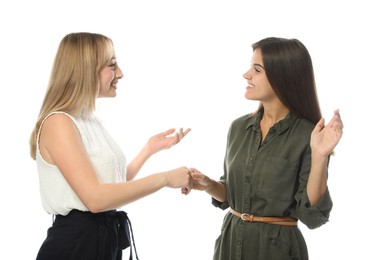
(183, 63)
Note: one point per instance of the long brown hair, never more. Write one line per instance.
(289, 70)
(74, 81)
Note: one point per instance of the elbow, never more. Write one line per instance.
(95, 203)
(315, 225)
(94, 207)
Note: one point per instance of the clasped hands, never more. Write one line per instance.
(196, 181)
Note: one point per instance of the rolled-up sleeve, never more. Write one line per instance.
(317, 215)
(313, 216)
(222, 205)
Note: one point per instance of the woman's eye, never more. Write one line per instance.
(112, 66)
(254, 68)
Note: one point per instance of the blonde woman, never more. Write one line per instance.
(83, 173)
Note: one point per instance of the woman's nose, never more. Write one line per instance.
(247, 75)
(119, 73)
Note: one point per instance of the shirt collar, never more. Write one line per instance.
(280, 126)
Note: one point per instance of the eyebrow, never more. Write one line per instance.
(257, 65)
(113, 59)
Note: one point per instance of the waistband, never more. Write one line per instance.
(119, 219)
(284, 221)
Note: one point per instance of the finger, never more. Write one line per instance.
(177, 138)
(185, 191)
(319, 126)
(168, 132)
(186, 131)
(338, 125)
(180, 133)
(180, 136)
(336, 112)
(335, 120)
(338, 119)
(191, 171)
(197, 176)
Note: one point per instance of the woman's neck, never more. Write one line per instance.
(273, 114)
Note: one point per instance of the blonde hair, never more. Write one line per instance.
(74, 81)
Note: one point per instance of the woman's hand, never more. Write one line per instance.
(165, 140)
(199, 180)
(179, 178)
(324, 138)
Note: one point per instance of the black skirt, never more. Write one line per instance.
(88, 236)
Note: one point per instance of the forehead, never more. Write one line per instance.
(110, 51)
(257, 57)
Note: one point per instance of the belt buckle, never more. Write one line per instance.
(244, 216)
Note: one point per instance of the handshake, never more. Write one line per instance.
(187, 179)
(183, 177)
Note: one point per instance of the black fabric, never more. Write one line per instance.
(125, 236)
(85, 235)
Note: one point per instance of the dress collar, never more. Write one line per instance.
(280, 126)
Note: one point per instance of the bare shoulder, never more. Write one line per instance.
(58, 133)
(60, 119)
(58, 123)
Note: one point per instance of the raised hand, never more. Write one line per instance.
(324, 138)
(165, 140)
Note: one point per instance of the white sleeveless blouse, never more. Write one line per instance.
(106, 156)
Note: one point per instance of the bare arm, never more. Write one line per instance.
(323, 141)
(61, 145)
(155, 144)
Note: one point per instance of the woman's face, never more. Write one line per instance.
(258, 86)
(109, 77)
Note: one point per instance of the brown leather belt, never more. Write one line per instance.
(285, 221)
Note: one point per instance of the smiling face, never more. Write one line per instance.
(258, 86)
(109, 77)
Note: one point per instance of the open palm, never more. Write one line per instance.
(324, 138)
(166, 139)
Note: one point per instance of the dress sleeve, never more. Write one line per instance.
(313, 216)
(222, 205)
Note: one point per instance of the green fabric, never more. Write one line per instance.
(268, 179)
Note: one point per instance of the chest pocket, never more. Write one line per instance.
(277, 179)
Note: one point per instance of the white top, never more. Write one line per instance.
(106, 156)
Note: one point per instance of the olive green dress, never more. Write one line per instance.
(268, 179)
